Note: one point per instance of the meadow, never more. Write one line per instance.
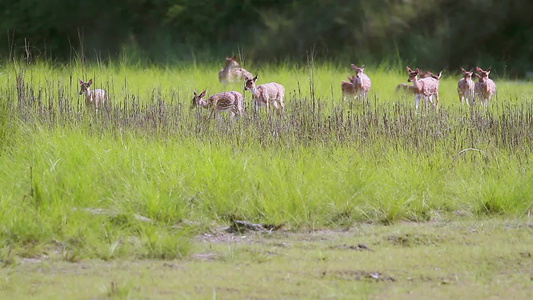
(144, 176)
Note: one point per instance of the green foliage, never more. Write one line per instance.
(130, 180)
(433, 33)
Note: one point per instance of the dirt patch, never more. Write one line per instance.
(359, 247)
(358, 275)
(408, 240)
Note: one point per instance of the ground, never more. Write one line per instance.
(473, 259)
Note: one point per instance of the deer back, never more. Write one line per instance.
(429, 85)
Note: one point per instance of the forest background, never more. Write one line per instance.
(435, 34)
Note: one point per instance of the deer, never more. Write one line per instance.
(96, 98)
(362, 82)
(232, 73)
(227, 101)
(465, 87)
(485, 88)
(348, 88)
(266, 94)
(409, 88)
(424, 87)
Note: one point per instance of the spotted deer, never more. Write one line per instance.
(96, 98)
(424, 88)
(348, 88)
(227, 101)
(232, 72)
(465, 87)
(409, 88)
(485, 88)
(266, 94)
(362, 82)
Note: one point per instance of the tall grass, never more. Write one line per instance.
(130, 179)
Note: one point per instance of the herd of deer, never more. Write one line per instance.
(271, 94)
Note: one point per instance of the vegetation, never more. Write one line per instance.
(452, 260)
(433, 33)
(130, 179)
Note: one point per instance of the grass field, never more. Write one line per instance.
(141, 179)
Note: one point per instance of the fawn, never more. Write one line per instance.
(465, 87)
(348, 88)
(232, 72)
(362, 82)
(266, 94)
(485, 88)
(226, 101)
(409, 88)
(424, 87)
(96, 97)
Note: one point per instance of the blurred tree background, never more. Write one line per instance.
(436, 34)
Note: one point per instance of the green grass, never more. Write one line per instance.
(447, 260)
(143, 176)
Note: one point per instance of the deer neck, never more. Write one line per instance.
(88, 95)
(203, 103)
(416, 84)
(227, 69)
(255, 91)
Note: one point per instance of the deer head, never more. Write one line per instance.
(358, 71)
(232, 61)
(250, 82)
(198, 100)
(467, 74)
(85, 86)
(412, 74)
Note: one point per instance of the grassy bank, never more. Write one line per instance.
(146, 169)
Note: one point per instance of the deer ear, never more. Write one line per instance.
(471, 70)
(234, 57)
(255, 78)
(479, 69)
(81, 81)
(91, 81)
(478, 76)
(409, 69)
(354, 66)
(417, 70)
(463, 70)
(363, 66)
(203, 94)
(195, 93)
(488, 70)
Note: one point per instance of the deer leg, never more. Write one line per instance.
(417, 101)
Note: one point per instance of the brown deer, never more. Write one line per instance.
(465, 87)
(232, 72)
(95, 98)
(362, 82)
(485, 88)
(226, 101)
(348, 88)
(424, 88)
(266, 94)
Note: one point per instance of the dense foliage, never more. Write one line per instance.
(432, 33)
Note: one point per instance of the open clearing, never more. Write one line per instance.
(373, 199)
(483, 259)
